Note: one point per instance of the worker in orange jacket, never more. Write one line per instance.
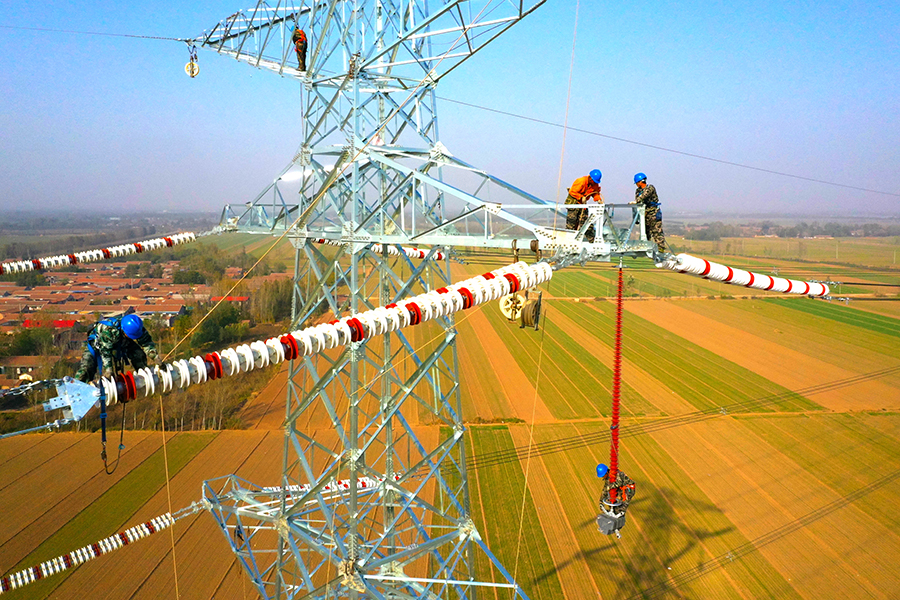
(299, 39)
(583, 189)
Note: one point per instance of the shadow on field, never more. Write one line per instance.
(660, 538)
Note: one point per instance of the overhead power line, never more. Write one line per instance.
(671, 150)
(100, 33)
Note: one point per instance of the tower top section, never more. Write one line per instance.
(387, 42)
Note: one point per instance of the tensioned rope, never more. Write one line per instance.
(537, 382)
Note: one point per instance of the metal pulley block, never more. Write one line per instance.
(522, 309)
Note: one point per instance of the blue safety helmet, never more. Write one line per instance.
(132, 326)
(602, 470)
(596, 175)
(639, 177)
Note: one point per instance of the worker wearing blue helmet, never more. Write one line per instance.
(645, 194)
(112, 343)
(583, 189)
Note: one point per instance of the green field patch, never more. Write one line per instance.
(112, 511)
(843, 452)
(499, 497)
(844, 314)
(824, 339)
(698, 375)
(572, 383)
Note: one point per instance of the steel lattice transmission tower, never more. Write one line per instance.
(373, 500)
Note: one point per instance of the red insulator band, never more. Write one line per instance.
(750, 283)
(415, 313)
(488, 275)
(67, 560)
(169, 242)
(391, 305)
(96, 548)
(513, 282)
(468, 298)
(216, 362)
(36, 263)
(37, 572)
(439, 256)
(73, 259)
(131, 385)
(790, 286)
(2, 270)
(4, 584)
(291, 351)
(442, 290)
(123, 538)
(139, 247)
(359, 327)
(150, 527)
(730, 275)
(771, 282)
(106, 253)
(706, 270)
(807, 288)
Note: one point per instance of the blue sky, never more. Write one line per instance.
(811, 89)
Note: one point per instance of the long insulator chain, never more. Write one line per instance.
(391, 249)
(617, 381)
(685, 263)
(340, 332)
(82, 555)
(64, 260)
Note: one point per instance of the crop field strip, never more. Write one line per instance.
(514, 394)
(647, 426)
(830, 341)
(648, 547)
(763, 355)
(846, 315)
(58, 499)
(696, 374)
(504, 485)
(202, 552)
(565, 361)
(763, 490)
(129, 577)
(855, 453)
(574, 575)
(110, 511)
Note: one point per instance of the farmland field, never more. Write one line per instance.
(763, 434)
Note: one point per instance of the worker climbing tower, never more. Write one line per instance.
(373, 499)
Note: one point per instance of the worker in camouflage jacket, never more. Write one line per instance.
(112, 343)
(624, 486)
(645, 194)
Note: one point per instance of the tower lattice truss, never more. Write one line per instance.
(372, 499)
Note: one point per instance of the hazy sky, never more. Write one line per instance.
(810, 89)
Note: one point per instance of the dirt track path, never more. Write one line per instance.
(524, 402)
(776, 363)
